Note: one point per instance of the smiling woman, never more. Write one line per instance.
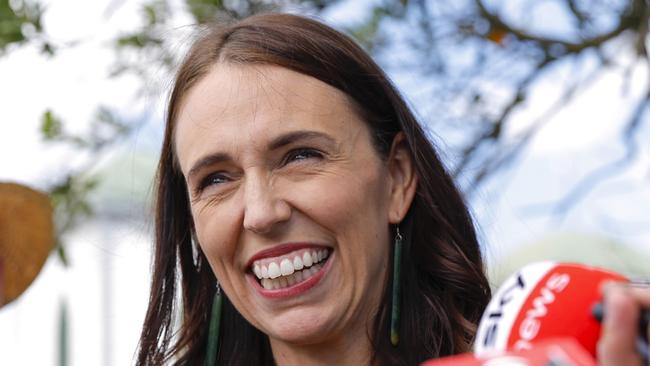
(294, 179)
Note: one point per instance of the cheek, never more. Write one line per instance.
(356, 212)
(214, 230)
(354, 204)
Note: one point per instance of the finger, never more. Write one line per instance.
(643, 297)
(617, 345)
(641, 293)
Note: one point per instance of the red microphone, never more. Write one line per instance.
(545, 314)
(544, 300)
(552, 352)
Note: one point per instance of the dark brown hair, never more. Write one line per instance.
(444, 289)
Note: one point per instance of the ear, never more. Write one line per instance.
(403, 179)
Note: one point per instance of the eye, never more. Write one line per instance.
(212, 180)
(302, 154)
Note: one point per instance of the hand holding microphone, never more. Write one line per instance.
(625, 331)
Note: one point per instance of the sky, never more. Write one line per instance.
(106, 287)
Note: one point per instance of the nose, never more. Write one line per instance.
(264, 210)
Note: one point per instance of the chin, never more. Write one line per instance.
(301, 326)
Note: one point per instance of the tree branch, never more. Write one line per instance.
(497, 126)
(500, 162)
(629, 21)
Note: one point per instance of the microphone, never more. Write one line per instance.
(546, 314)
(551, 352)
(543, 300)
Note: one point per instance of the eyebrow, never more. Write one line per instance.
(276, 143)
(291, 137)
(208, 160)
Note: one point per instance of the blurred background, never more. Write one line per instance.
(539, 108)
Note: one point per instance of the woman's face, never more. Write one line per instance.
(290, 201)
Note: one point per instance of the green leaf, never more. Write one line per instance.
(61, 253)
(51, 126)
(150, 14)
(139, 40)
(205, 10)
(133, 40)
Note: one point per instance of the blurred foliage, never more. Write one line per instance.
(105, 129)
(71, 206)
(476, 64)
(20, 22)
(70, 196)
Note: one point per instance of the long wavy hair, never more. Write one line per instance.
(444, 288)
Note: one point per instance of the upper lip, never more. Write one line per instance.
(279, 250)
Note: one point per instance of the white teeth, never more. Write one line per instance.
(282, 281)
(286, 267)
(288, 272)
(312, 270)
(297, 264)
(266, 283)
(274, 270)
(307, 260)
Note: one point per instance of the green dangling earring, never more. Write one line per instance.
(213, 331)
(394, 316)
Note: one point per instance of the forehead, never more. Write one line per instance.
(238, 107)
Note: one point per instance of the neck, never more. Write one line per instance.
(351, 349)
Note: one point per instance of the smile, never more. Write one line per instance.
(290, 269)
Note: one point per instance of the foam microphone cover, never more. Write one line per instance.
(541, 301)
